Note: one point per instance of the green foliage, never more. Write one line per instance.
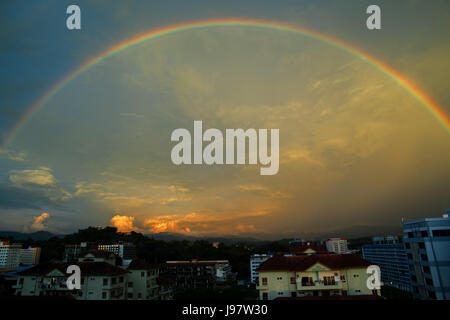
(159, 251)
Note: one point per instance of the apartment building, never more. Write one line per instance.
(427, 244)
(321, 275)
(143, 282)
(99, 281)
(337, 245)
(390, 255)
(196, 273)
(255, 262)
(73, 251)
(10, 255)
(30, 256)
(126, 251)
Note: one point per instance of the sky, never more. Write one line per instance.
(356, 148)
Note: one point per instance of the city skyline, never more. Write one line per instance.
(85, 132)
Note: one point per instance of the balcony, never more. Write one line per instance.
(319, 285)
(57, 286)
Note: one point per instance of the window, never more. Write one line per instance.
(421, 245)
(264, 296)
(374, 292)
(130, 295)
(441, 233)
(409, 256)
(357, 290)
(142, 274)
(307, 281)
(356, 276)
(424, 257)
(105, 281)
(130, 284)
(407, 245)
(139, 295)
(264, 281)
(120, 279)
(414, 278)
(21, 281)
(293, 294)
(429, 281)
(80, 293)
(292, 280)
(280, 293)
(329, 281)
(104, 295)
(279, 278)
(410, 235)
(426, 269)
(431, 294)
(342, 278)
(344, 292)
(113, 280)
(424, 234)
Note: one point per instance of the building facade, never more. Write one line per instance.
(127, 251)
(196, 273)
(30, 256)
(323, 275)
(255, 262)
(427, 244)
(99, 281)
(390, 256)
(144, 283)
(337, 245)
(10, 255)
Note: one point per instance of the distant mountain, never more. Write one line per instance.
(169, 236)
(38, 235)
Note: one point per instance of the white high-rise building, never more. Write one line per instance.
(30, 256)
(255, 262)
(10, 255)
(337, 245)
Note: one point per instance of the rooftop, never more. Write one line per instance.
(87, 269)
(302, 263)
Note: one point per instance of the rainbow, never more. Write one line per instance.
(435, 110)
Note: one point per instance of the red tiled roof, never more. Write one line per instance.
(301, 263)
(87, 269)
(303, 248)
(194, 261)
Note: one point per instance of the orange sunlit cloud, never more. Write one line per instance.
(123, 223)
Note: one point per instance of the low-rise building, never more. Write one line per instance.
(321, 275)
(195, 273)
(99, 281)
(142, 281)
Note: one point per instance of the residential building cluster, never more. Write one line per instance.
(103, 277)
